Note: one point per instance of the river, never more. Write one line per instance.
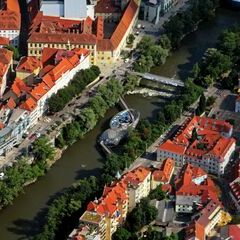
(25, 217)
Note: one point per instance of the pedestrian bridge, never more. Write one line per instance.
(160, 79)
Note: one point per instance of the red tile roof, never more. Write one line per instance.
(121, 29)
(165, 173)
(29, 64)
(11, 103)
(4, 41)
(30, 104)
(109, 203)
(194, 181)
(5, 61)
(48, 29)
(211, 139)
(9, 20)
(136, 176)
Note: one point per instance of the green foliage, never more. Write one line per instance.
(43, 150)
(141, 215)
(210, 101)
(152, 234)
(132, 81)
(152, 54)
(80, 80)
(121, 234)
(130, 39)
(16, 54)
(201, 105)
(185, 22)
(158, 193)
(108, 95)
(62, 208)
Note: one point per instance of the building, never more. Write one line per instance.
(28, 66)
(71, 9)
(153, 10)
(138, 183)
(26, 101)
(237, 104)
(107, 213)
(193, 189)
(104, 215)
(164, 174)
(109, 10)
(230, 232)
(61, 33)
(209, 217)
(203, 142)
(6, 60)
(109, 49)
(234, 186)
(10, 22)
(64, 34)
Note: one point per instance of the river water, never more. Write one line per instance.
(25, 217)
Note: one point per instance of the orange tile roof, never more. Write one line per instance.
(194, 181)
(13, 5)
(136, 176)
(109, 202)
(30, 104)
(19, 86)
(11, 103)
(9, 20)
(29, 64)
(164, 174)
(5, 61)
(48, 29)
(121, 29)
(4, 41)
(211, 140)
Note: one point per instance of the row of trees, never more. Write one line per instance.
(80, 80)
(22, 172)
(152, 53)
(220, 64)
(66, 208)
(108, 95)
(187, 21)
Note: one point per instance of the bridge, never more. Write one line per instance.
(160, 79)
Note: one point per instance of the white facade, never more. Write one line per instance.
(136, 193)
(208, 162)
(71, 9)
(21, 120)
(13, 36)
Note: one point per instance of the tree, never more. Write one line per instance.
(43, 149)
(121, 234)
(98, 105)
(194, 135)
(88, 120)
(158, 193)
(202, 104)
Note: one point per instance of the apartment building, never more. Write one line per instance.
(209, 217)
(105, 214)
(193, 189)
(10, 22)
(55, 32)
(26, 101)
(138, 183)
(203, 142)
(164, 174)
(6, 60)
